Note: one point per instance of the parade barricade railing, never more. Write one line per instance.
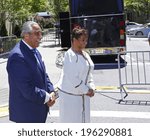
(136, 73)
(51, 35)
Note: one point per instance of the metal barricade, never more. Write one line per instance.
(7, 43)
(51, 35)
(136, 73)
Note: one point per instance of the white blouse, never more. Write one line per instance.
(77, 76)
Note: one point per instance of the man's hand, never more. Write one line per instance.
(50, 103)
(51, 100)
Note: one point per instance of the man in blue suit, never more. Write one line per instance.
(31, 91)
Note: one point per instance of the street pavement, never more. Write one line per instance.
(104, 105)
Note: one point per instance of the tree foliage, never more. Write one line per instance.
(18, 11)
(139, 7)
(57, 6)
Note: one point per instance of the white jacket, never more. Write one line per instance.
(76, 78)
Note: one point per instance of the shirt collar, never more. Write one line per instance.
(27, 45)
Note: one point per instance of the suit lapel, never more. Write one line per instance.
(29, 56)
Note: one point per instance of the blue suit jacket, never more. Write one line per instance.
(28, 86)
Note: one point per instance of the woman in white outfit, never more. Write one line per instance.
(76, 82)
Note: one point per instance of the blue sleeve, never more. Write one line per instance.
(50, 87)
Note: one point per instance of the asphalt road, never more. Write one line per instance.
(104, 105)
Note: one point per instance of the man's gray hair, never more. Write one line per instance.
(27, 27)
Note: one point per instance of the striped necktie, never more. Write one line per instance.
(38, 58)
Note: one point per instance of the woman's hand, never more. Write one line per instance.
(90, 93)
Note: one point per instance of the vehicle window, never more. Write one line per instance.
(131, 24)
(103, 31)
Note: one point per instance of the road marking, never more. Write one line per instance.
(4, 111)
(111, 114)
(138, 91)
(128, 90)
(135, 91)
(107, 87)
(121, 114)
